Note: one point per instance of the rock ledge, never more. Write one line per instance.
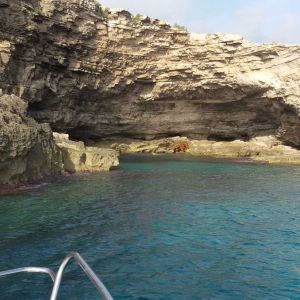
(79, 158)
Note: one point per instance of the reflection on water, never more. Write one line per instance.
(160, 228)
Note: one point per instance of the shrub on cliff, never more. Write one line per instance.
(137, 19)
(180, 27)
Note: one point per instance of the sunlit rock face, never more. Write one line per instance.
(97, 73)
(264, 149)
(79, 158)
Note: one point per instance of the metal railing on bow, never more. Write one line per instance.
(57, 277)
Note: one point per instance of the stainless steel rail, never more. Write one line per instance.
(29, 270)
(56, 278)
(88, 271)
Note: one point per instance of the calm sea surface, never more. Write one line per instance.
(160, 228)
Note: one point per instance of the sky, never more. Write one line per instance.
(260, 21)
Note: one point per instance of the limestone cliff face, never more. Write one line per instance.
(29, 152)
(27, 149)
(96, 73)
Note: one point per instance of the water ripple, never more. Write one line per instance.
(161, 228)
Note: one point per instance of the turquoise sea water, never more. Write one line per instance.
(160, 228)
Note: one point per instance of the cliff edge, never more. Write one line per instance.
(99, 74)
(95, 73)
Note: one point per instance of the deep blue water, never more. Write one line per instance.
(160, 228)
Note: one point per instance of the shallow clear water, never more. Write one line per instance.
(160, 228)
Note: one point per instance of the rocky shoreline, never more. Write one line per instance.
(112, 83)
(260, 150)
(31, 153)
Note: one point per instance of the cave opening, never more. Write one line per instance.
(226, 138)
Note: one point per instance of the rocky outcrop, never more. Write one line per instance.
(262, 149)
(96, 73)
(79, 158)
(27, 149)
(29, 153)
(158, 146)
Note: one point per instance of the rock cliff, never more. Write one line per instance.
(29, 152)
(96, 73)
(27, 149)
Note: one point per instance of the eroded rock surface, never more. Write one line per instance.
(262, 149)
(27, 149)
(79, 158)
(29, 153)
(96, 73)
